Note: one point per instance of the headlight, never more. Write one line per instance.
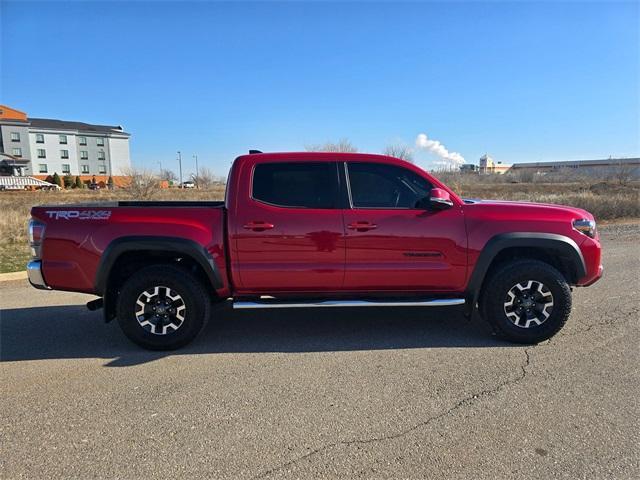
(588, 227)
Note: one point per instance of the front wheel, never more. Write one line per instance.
(162, 307)
(526, 301)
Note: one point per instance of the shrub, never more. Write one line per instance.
(205, 178)
(141, 184)
(56, 179)
(68, 181)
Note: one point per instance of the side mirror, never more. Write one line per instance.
(439, 199)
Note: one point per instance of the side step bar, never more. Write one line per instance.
(439, 302)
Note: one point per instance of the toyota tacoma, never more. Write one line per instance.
(318, 230)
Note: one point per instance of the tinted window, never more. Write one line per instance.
(305, 185)
(375, 185)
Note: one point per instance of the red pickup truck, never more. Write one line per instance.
(314, 230)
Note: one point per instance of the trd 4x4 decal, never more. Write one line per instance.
(79, 214)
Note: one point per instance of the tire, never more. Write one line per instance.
(162, 307)
(526, 301)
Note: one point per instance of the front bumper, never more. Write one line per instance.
(592, 254)
(34, 272)
(596, 278)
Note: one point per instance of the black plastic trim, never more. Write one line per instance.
(141, 204)
(181, 246)
(172, 203)
(345, 201)
(553, 243)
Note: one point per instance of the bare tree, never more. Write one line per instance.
(168, 175)
(399, 151)
(205, 178)
(622, 173)
(141, 184)
(342, 145)
(525, 176)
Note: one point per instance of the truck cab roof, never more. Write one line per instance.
(321, 157)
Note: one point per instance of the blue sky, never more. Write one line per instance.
(521, 81)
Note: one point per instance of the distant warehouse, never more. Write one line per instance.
(486, 165)
(40, 147)
(585, 166)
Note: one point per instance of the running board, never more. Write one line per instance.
(440, 302)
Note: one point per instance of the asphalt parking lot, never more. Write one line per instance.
(390, 393)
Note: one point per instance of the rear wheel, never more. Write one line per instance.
(162, 307)
(526, 301)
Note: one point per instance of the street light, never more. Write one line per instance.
(197, 174)
(180, 164)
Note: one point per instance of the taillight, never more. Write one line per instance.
(36, 235)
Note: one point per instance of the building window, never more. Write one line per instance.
(66, 168)
(84, 154)
(64, 153)
(17, 152)
(42, 168)
(100, 142)
(39, 138)
(15, 137)
(42, 153)
(102, 168)
(82, 140)
(101, 155)
(63, 139)
(85, 168)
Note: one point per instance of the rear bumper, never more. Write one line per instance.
(34, 272)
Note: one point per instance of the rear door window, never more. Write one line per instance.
(296, 184)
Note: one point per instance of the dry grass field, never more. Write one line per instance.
(606, 200)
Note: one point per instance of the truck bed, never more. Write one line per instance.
(79, 235)
(139, 203)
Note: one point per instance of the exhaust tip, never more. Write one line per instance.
(96, 304)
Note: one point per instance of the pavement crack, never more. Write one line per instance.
(619, 314)
(465, 402)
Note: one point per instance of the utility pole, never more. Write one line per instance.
(197, 174)
(180, 164)
(160, 163)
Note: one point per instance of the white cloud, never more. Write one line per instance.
(447, 158)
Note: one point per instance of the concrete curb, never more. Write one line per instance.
(8, 277)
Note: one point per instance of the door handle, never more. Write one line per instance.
(258, 226)
(362, 226)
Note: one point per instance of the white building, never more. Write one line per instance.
(41, 147)
(488, 165)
